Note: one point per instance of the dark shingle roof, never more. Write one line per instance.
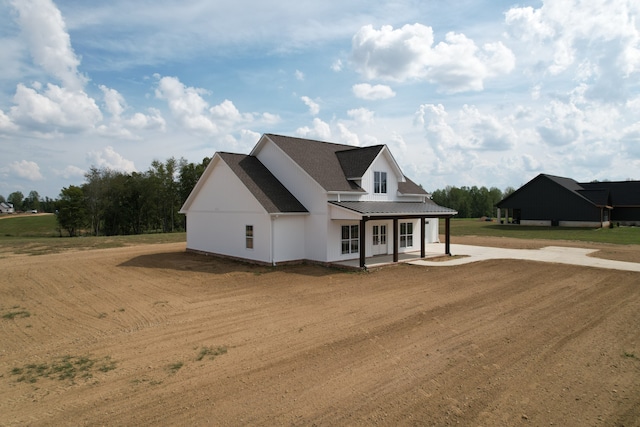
(623, 193)
(410, 187)
(356, 161)
(270, 192)
(396, 208)
(319, 160)
(567, 183)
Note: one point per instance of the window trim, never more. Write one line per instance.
(406, 234)
(351, 243)
(248, 236)
(379, 182)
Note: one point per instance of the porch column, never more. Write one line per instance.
(499, 212)
(447, 235)
(394, 236)
(423, 248)
(362, 247)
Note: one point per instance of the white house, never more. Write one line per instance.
(295, 199)
(6, 207)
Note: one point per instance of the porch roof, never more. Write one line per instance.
(384, 209)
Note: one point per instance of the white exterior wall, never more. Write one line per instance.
(431, 230)
(288, 238)
(217, 218)
(380, 164)
(308, 192)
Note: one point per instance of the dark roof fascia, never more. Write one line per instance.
(263, 185)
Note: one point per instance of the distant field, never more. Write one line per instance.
(38, 234)
(477, 227)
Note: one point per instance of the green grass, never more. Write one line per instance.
(211, 352)
(13, 314)
(175, 367)
(63, 368)
(476, 227)
(37, 235)
(28, 226)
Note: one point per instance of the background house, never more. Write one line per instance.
(294, 199)
(6, 207)
(558, 201)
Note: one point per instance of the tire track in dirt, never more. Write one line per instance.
(486, 343)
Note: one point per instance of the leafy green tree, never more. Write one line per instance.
(32, 201)
(95, 193)
(72, 214)
(17, 199)
(508, 191)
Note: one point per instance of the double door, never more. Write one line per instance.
(379, 235)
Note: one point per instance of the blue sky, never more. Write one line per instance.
(463, 92)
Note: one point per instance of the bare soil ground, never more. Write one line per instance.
(491, 343)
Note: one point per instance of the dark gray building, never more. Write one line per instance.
(557, 201)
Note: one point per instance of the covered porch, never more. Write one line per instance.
(395, 212)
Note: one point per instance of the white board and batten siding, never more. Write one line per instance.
(307, 191)
(217, 218)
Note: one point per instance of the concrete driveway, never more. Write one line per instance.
(557, 254)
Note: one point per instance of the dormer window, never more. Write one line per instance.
(379, 182)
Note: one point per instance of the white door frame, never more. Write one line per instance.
(379, 239)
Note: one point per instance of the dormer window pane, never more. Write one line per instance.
(379, 182)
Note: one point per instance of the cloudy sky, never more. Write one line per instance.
(463, 92)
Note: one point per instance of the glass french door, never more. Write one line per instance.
(379, 234)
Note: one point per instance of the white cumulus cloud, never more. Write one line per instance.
(369, 92)
(26, 169)
(454, 65)
(49, 42)
(320, 130)
(596, 41)
(54, 108)
(314, 108)
(361, 115)
(193, 112)
(110, 159)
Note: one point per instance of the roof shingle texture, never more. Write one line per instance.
(265, 187)
(319, 160)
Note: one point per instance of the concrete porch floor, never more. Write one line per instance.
(382, 260)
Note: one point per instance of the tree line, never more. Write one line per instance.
(29, 203)
(118, 203)
(471, 202)
(111, 202)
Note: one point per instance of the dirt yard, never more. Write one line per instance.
(152, 335)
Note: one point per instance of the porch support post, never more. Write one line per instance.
(394, 235)
(447, 235)
(423, 248)
(362, 242)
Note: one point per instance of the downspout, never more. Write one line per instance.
(271, 249)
